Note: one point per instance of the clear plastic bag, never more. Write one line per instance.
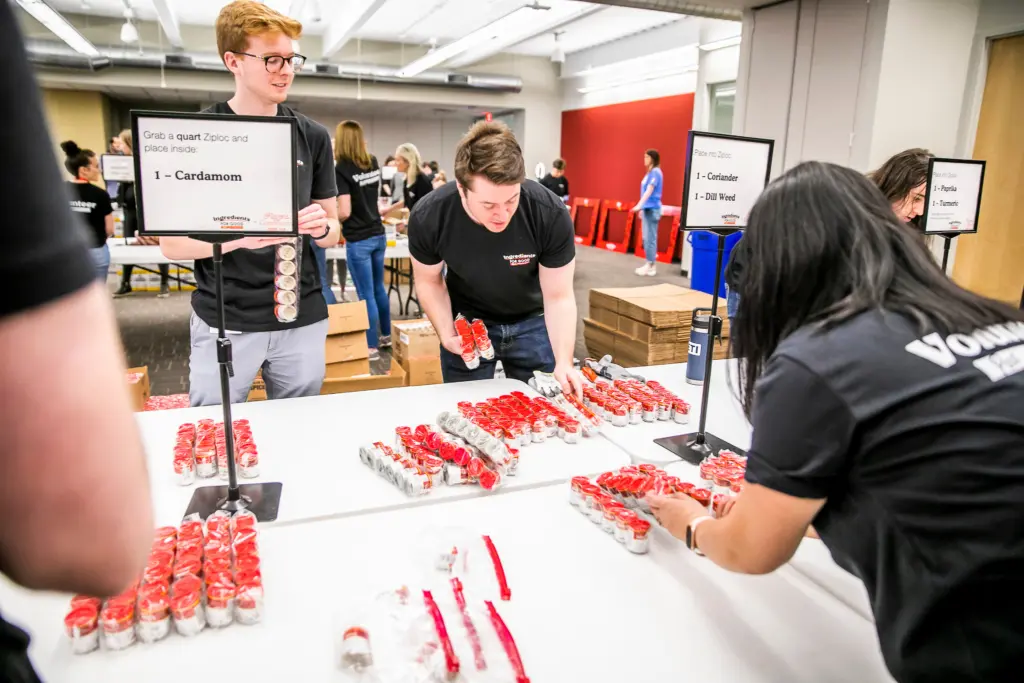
(288, 280)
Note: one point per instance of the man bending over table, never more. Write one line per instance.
(255, 43)
(508, 246)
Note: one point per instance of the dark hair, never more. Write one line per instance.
(902, 173)
(655, 157)
(389, 159)
(823, 245)
(558, 164)
(434, 167)
(77, 158)
(491, 150)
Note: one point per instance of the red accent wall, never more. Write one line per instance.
(603, 147)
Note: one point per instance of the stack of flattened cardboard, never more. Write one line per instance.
(138, 386)
(347, 355)
(642, 326)
(415, 346)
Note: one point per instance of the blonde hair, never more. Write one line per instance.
(411, 155)
(440, 177)
(350, 144)
(243, 19)
(126, 139)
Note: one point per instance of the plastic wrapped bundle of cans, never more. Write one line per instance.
(196, 576)
(475, 342)
(724, 472)
(287, 280)
(630, 401)
(171, 402)
(200, 450)
(520, 420)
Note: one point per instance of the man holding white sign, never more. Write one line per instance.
(255, 43)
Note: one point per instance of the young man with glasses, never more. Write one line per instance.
(255, 43)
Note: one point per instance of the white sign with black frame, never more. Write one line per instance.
(118, 168)
(725, 174)
(953, 196)
(212, 174)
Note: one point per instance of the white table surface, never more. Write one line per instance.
(583, 608)
(311, 445)
(123, 254)
(726, 420)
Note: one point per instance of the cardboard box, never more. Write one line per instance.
(605, 316)
(600, 340)
(634, 329)
(258, 390)
(352, 368)
(422, 371)
(345, 318)
(659, 306)
(340, 348)
(138, 386)
(414, 339)
(396, 379)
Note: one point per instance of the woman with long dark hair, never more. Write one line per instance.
(887, 406)
(903, 180)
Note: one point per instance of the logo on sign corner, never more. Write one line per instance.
(954, 225)
(231, 222)
(276, 221)
(730, 219)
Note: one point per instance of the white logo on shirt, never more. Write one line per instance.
(82, 207)
(944, 351)
(519, 259)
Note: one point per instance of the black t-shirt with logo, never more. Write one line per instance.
(249, 273)
(916, 440)
(493, 276)
(560, 186)
(92, 205)
(361, 185)
(419, 189)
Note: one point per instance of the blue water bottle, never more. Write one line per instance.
(700, 336)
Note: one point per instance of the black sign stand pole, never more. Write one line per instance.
(695, 446)
(948, 237)
(263, 499)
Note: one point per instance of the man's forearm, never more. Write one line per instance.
(560, 318)
(436, 303)
(188, 249)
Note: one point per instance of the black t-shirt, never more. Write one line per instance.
(92, 205)
(420, 189)
(560, 186)
(493, 276)
(126, 200)
(361, 185)
(917, 443)
(249, 273)
(45, 257)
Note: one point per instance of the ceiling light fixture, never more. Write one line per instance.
(523, 16)
(558, 55)
(129, 34)
(719, 44)
(59, 26)
(656, 76)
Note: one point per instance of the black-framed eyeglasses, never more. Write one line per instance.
(275, 63)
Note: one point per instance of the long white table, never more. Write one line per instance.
(582, 608)
(726, 420)
(131, 253)
(311, 445)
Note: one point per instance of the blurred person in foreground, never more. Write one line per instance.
(510, 253)
(887, 406)
(255, 43)
(75, 509)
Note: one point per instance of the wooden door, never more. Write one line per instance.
(992, 261)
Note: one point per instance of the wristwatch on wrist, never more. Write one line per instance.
(691, 534)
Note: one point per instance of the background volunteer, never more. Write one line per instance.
(126, 200)
(255, 43)
(903, 179)
(888, 410)
(510, 253)
(91, 203)
(649, 207)
(417, 185)
(556, 180)
(358, 177)
(75, 506)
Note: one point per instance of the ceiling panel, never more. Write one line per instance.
(611, 23)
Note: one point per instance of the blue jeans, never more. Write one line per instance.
(521, 347)
(732, 302)
(321, 265)
(649, 220)
(101, 261)
(366, 263)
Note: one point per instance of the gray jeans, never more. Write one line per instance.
(292, 362)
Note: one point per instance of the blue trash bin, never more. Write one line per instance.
(705, 252)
